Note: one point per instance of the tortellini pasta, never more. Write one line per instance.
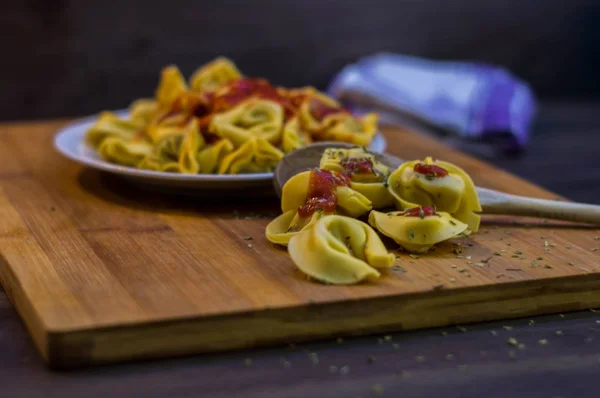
(436, 183)
(254, 156)
(244, 124)
(214, 75)
(339, 250)
(368, 176)
(171, 85)
(252, 118)
(417, 229)
(212, 155)
(125, 152)
(110, 125)
(293, 136)
(307, 196)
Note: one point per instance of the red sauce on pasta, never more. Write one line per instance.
(430, 170)
(357, 166)
(320, 110)
(322, 192)
(420, 211)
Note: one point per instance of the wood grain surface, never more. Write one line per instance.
(103, 272)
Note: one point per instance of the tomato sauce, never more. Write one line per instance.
(322, 191)
(319, 110)
(357, 166)
(420, 211)
(430, 170)
(240, 90)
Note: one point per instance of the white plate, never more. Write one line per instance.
(70, 141)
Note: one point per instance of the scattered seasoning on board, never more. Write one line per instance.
(559, 333)
(387, 338)
(248, 362)
(512, 354)
(507, 328)
(247, 238)
(512, 341)
(420, 358)
(395, 346)
(344, 370)
(493, 333)
(449, 357)
(543, 342)
(250, 245)
(413, 256)
(462, 329)
(531, 322)
(333, 369)
(314, 358)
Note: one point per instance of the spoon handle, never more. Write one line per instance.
(494, 202)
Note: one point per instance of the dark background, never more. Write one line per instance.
(71, 58)
(67, 57)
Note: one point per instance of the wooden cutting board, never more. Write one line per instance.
(101, 272)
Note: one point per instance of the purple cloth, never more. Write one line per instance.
(472, 100)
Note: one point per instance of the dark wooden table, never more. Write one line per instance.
(553, 356)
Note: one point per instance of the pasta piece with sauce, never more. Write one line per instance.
(315, 109)
(309, 195)
(436, 183)
(368, 176)
(339, 250)
(417, 229)
(253, 118)
(214, 75)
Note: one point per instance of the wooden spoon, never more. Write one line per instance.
(492, 202)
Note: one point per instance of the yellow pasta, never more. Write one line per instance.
(348, 201)
(369, 176)
(121, 151)
(211, 156)
(171, 86)
(244, 125)
(315, 109)
(436, 183)
(110, 125)
(252, 118)
(143, 110)
(214, 74)
(417, 229)
(155, 162)
(256, 155)
(287, 225)
(293, 137)
(348, 128)
(191, 143)
(339, 250)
